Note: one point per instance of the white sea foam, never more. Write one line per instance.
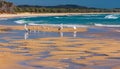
(102, 25)
(33, 24)
(3, 18)
(29, 22)
(111, 17)
(20, 21)
(57, 25)
(57, 17)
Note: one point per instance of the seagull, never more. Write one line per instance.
(26, 29)
(61, 27)
(74, 27)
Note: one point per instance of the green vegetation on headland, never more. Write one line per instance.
(7, 7)
(62, 9)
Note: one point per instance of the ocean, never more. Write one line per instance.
(106, 25)
(83, 20)
(108, 20)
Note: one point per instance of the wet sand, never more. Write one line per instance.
(42, 28)
(60, 53)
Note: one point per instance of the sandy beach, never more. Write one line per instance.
(34, 14)
(64, 34)
(60, 53)
(87, 50)
(43, 14)
(4, 28)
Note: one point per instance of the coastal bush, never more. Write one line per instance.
(6, 7)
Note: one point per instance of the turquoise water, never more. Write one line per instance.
(108, 20)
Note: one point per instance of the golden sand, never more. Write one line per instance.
(35, 14)
(86, 52)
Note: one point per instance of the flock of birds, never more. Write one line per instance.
(60, 28)
(27, 30)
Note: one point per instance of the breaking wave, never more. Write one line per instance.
(95, 20)
(20, 21)
(57, 25)
(111, 17)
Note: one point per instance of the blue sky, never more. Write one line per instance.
(89, 3)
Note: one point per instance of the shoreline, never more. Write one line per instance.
(44, 14)
(84, 50)
(102, 52)
(45, 28)
(5, 28)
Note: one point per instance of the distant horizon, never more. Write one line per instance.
(87, 3)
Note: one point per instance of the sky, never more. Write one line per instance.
(88, 3)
